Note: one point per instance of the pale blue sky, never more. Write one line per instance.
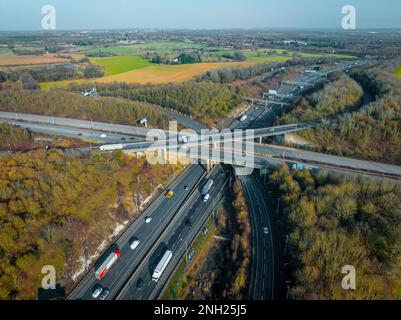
(201, 14)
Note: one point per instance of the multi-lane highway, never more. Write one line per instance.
(180, 231)
(128, 136)
(161, 211)
(263, 271)
(265, 244)
(75, 123)
(323, 158)
(262, 153)
(90, 135)
(176, 221)
(177, 238)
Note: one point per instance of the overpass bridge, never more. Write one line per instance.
(269, 156)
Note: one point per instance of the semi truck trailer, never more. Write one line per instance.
(161, 266)
(105, 267)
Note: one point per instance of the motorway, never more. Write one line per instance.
(161, 233)
(162, 211)
(263, 272)
(128, 136)
(326, 159)
(177, 237)
(75, 123)
(265, 151)
(71, 132)
(95, 125)
(265, 155)
(178, 234)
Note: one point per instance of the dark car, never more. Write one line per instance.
(104, 294)
(188, 223)
(139, 284)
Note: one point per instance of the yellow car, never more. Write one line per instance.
(169, 194)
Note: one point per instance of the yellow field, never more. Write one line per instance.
(13, 60)
(145, 73)
(156, 74)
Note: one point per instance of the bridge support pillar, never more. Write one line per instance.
(279, 138)
(164, 154)
(210, 165)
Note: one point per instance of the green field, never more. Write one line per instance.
(130, 66)
(120, 64)
(264, 55)
(162, 48)
(398, 72)
(280, 53)
(6, 51)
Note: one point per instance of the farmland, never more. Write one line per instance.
(135, 69)
(398, 72)
(13, 60)
(120, 64)
(132, 63)
(165, 73)
(6, 51)
(162, 48)
(156, 74)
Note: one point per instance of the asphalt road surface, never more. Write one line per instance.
(177, 237)
(82, 124)
(263, 271)
(162, 211)
(322, 158)
(97, 136)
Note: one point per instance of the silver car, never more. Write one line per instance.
(96, 293)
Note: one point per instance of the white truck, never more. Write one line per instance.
(161, 266)
(272, 92)
(207, 187)
(111, 147)
(243, 118)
